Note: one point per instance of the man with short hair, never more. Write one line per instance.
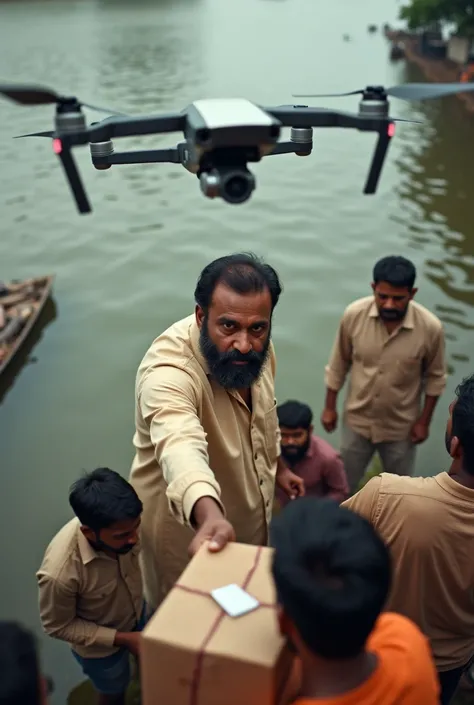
(206, 440)
(332, 575)
(21, 680)
(394, 349)
(90, 586)
(428, 525)
(310, 457)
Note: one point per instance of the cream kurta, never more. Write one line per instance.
(388, 371)
(195, 439)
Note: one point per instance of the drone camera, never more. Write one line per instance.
(232, 184)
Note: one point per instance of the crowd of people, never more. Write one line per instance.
(375, 586)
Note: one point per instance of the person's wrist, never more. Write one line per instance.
(121, 639)
(205, 509)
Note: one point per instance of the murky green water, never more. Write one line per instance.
(127, 271)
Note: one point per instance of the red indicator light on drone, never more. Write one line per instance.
(57, 146)
(391, 129)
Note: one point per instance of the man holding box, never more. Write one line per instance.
(207, 451)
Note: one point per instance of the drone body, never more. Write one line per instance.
(221, 135)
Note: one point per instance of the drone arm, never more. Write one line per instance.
(304, 116)
(146, 156)
(292, 148)
(73, 178)
(378, 159)
(117, 126)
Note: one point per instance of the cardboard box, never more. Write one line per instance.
(194, 653)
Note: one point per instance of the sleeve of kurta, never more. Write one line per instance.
(365, 501)
(57, 607)
(341, 356)
(169, 404)
(435, 365)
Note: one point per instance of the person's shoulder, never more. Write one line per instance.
(61, 551)
(406, 651)
(397, 632)
(357, 308)
(173, 356)
(324, 449)
(426, 317)
(173, 344)
(392, 484)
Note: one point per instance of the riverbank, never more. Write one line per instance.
(436, 70)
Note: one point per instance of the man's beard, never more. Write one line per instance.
(393, 314)
(293, 453)
(221, 365)
(100, 545)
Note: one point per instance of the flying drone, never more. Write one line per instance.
(222, 136)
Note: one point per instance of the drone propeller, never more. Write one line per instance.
(38, 95)
(414, 122)
(408, 91)
(48, 133)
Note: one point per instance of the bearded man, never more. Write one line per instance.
(393, 351)
(207, 448)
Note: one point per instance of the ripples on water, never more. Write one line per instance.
(435, 171)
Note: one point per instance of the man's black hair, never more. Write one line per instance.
(19, 666)
(102, 498)
(463, 421)
(294, 414)
(332, 574)
(397, 271)
(244, 272)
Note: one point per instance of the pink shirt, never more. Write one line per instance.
(322, 471)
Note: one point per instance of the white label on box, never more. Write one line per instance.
(234, 600)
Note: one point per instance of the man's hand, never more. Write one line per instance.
(217, 531)
(291, 484)
(419, 432)
(329, 420)
(130, 641)
(211, 525)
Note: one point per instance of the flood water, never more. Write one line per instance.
(127, 271)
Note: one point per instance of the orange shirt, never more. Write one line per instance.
(405, 674)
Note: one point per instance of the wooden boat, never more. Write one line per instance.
(21, 304)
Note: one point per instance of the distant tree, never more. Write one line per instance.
(420, 14)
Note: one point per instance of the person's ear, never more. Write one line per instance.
(455, 449)
(88, 533)
(199, 312)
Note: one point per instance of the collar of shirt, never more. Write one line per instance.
(194, 335)
(88, 553)
(453, 487)
(408, 322)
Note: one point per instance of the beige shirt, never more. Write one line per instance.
(85, 597)
(195, 439)
(428, 524)
(388, 372)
